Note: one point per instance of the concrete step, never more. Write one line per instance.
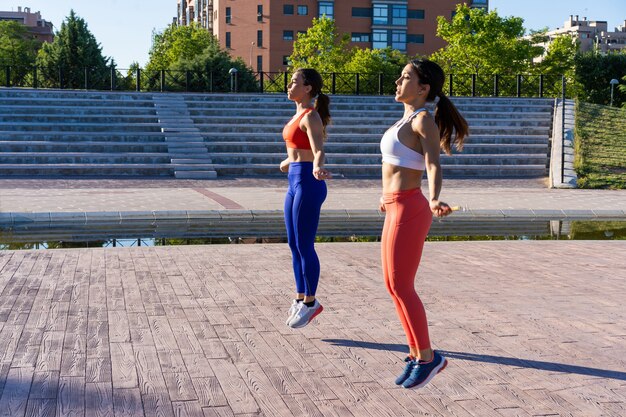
(91, 169)
(356, 159)
(205, 175)
(82, 146)
(373, 170)
(81, 127)
(82, 158)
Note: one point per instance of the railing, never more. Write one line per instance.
(113, 79)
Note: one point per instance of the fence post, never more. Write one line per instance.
(187, 80)
(334, 83)
(450, 90)
(8, 75)
(138, 80)
(113, 76)
(519, 85)
(261, 86)
(541, 85)
(35, 76)
(496, 90)
(473, 85)
(563, 87)
(162, 80)
(285, 79)
(380, 84)
(211, 82)
(61, 78)
(86, 78)
(356, 85)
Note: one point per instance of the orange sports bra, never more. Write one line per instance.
(295, 137)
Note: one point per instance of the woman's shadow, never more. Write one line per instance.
(500, 360)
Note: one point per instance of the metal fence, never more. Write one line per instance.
(115, 79)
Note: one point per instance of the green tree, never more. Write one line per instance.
(192, 59)
(480, 42)
(63, 62)
(560, 57)
(322, 47)
(369, 63)
(176, 43)
(18, 50)
(593, 75)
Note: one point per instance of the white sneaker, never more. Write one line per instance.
(292, 310)
(304, 315)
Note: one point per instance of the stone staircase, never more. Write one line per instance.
(111, 134)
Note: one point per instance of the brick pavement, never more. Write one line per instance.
(529, 327)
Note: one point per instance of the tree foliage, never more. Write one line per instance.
(560, 57)
(593, 76)
(193, 58)
(176, 43)
(18, 50)
(388, 62)
(74, 49)
(480, 42)
(322, 47)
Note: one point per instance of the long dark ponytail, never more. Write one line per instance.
(447, 116)
(322, 103)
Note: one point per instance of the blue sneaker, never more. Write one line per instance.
(410, 364)
(423, 372)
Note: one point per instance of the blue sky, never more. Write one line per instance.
(124, 27)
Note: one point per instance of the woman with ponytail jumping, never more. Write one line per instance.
(410, 147)
(304, 136)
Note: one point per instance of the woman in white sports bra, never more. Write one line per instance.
(410, 147)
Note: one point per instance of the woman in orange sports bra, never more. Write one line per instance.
(409, 148)
(304, 137)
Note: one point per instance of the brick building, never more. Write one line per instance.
(262, 32)
(39, 28)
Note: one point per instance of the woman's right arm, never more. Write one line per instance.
(426, 128)
(284, 165)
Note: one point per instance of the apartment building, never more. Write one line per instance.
(262, 32)
(38, 27)
(592, 35)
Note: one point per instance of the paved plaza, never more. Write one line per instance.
(530, 328)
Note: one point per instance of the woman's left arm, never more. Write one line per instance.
(427, 130)
(314, 129)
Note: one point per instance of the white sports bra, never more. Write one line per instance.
(395, 152)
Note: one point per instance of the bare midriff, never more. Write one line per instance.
(397, 178)
(300, 155)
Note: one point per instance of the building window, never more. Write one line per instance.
(380, 14)
(288, 35)
(302, 31)
(228, 39)
(361, 37)
(228, 15)
(398, 15)
(288, 9)
(416, 14)
(361, 12)
(303, 10)
(259, 63)
(259, 38)
(415, 38)
(327, 8)
(285, 59)
(379, 39)
(259, 13)
(398, 40)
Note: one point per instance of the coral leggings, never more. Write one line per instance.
(407, 221)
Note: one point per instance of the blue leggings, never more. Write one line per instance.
(303, 203)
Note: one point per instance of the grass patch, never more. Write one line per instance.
(600, 146)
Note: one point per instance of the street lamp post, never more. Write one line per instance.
(613, 82)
